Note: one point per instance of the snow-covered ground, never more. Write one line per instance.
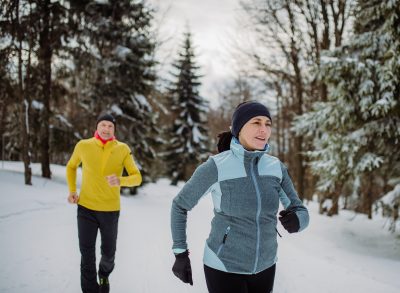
(39, 246)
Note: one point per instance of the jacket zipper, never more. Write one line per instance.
(258, 212)
(223, 240)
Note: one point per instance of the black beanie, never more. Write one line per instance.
(106, 117)
(244, 112)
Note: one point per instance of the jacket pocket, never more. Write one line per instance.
(221, 246)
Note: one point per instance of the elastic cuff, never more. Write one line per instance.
(178, 250)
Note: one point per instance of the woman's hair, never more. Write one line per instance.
(243, 113)
(224, 138)
(224, 141)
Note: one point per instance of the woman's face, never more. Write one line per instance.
(255, 133)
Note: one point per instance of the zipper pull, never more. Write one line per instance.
(278, 232)
(226, 234)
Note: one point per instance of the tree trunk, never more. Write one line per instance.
(3, 108)
(298, 141)
(45, 56)
(23, 107)
(368, 197)
(335, 196)
(395, 218)
(298, 103)
(321, 201)
(279, 124)
(334, 210)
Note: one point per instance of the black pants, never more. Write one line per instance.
(89, 222)
(222, 282)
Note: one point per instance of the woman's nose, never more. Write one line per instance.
(263, 129)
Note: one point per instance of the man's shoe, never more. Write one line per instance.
(104, 286)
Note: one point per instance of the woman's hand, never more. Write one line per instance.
(182, 268)
(289, 220)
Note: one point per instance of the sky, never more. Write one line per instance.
(213, 25)
(39, 249)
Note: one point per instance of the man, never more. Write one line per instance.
(103, 159)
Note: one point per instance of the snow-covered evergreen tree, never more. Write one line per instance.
(390, 204)
(114, 72)
(188, 137)
(357, 130)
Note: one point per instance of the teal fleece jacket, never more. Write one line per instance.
(246, 187)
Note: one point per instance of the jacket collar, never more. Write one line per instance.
(106, 145)
(104, 141)
(239, 151)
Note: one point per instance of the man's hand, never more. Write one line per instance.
(73, 197)
(113, 180)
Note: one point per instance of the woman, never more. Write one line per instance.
(246, 184)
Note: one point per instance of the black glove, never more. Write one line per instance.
(182, 268)
(289, 220)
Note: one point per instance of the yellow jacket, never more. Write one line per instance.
(99, 161)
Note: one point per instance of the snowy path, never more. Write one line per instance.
(39, 246)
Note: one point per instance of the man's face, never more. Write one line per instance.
(105, 129)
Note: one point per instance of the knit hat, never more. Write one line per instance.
(246, 111)
(106, 117)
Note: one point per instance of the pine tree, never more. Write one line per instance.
(188, 138)
(114, 72)
(291, 35)
(6, 94)
(357, 130)
(16, 31)
(51, 29)
(35, 31)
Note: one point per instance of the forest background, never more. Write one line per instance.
(329, 71)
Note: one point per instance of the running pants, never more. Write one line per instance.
(223, 282)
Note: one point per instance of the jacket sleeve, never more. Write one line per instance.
(198, 185)
(134, 177)
(72, 166)
(291, 200)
